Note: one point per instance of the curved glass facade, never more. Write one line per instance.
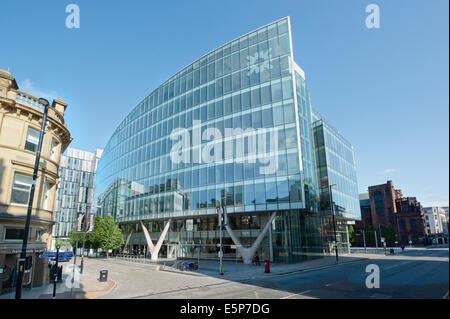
(232, 128)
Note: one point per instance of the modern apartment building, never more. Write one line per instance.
(21, 118)
(436, 223)
(234, 129)
(75, 192)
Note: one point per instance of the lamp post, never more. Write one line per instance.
(23, 254)
(334, 221)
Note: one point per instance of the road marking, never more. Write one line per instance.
(256, 294)
(300, 293)
(390, 267)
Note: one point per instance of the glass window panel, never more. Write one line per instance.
(287, 88)
(236, 103)
(228, 105)
(282, 165)
(245, 100)
(293, 166)
(271, 192)
(260, 193)
(211, 175)
(249, 194)
(219, 108)
(256, 119)
(295, 188)
(247, 121)
(255, 97)
(229, 172)
(32, 140)
(238, 171)
(291, 137)
(236, 81)
(283, 189)
(267, 117)
(289, 113)
(227, 84)
(249, 170)
(245, 78)
(278, 115)
(219, 173)
(276, 92)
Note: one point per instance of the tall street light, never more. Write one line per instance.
(23, 254)
(334, 221)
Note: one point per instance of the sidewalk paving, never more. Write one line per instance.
(234, 271)
(89, 288)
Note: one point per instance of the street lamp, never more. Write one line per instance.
(23, 254)
(334, 221)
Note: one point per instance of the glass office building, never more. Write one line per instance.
(335, 165)
(209, 136)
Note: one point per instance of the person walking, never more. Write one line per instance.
(256, 259)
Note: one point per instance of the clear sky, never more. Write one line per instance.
(385, 89)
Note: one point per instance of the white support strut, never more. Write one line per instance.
(154, 249)
(247, 253)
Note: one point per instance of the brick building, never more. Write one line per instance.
(411, 220)
(384, 205)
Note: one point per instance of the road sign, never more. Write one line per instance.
(61, 255)
(48, 254)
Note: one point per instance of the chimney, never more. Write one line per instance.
(60, 105)
(7, 82)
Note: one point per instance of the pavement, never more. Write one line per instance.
(416, 273)
(89, 287)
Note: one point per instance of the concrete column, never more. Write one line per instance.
(128, 240)
(154, 249)
(247, 253)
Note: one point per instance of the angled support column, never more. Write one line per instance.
(126, 243)
(247, 253)
(154, 249)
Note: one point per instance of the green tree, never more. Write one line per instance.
(94, 237)
(390, 235)
(109, 235)
(370, 235)
(351, 234)
(74, 237)
(61, 243)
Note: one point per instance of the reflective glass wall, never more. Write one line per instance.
(247, 87)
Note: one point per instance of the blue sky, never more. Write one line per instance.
(385, 89)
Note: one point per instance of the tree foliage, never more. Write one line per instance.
(370, 235)
(351, 234)
(390, 234)
(108, 235)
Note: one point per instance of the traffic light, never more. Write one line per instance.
(28, 262)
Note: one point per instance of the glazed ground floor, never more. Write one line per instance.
(293, 236)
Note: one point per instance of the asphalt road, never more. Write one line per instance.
(421, 273)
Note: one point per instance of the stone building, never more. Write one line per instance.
(21, 118)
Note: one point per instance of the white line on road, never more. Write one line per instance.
(390, 267)
(300, 293)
